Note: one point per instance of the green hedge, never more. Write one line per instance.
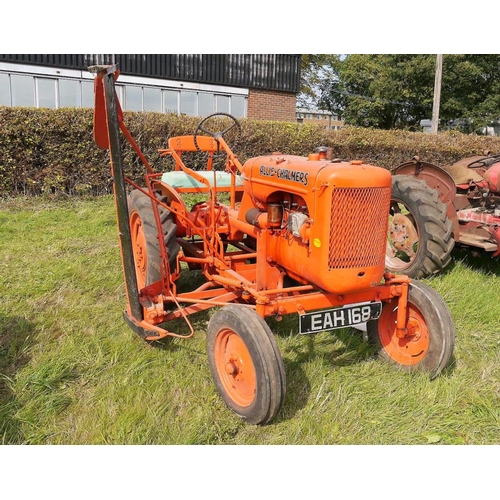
(45, 151)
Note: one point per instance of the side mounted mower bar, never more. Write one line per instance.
(107, 118)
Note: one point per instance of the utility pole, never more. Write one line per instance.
(437, 94)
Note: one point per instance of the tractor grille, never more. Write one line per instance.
(358, 231)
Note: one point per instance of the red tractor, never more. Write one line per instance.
(435, 208)
(277, 235)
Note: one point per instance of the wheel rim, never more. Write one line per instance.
(138, 249)
(402, 247)
(413, 347)
(235, 367)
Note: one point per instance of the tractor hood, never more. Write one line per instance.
(265, 175)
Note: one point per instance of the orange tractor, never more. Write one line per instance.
(296, 235)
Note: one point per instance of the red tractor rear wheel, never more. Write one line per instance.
(430, 339)
(246, 363)
(420, 238)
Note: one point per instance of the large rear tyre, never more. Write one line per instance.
(429, 343)
(420, 238)
(145, 243)
(246, 364)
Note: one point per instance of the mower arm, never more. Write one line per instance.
(108, 120)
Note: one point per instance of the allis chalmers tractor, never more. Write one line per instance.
(434, 208)
(297, 235)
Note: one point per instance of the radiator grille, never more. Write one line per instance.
(358, 231)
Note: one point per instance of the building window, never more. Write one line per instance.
(23, 90)
(205, 104)
(4, 90)
(222, 103)
(152, 99)
(188, 103)
(170, 101)
(238, 106)
(133, 98)
(88, 94)
(46, 88)
(70, 94)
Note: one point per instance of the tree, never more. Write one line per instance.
(381, 90)
(396, 90)
(315, 69)
(471, 90)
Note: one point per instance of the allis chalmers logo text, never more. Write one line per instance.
(284, 173)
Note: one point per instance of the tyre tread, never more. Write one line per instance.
(436, 233)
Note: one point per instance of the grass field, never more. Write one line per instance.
(71, 372)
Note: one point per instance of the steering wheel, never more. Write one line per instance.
(484, 162)
(211, 125)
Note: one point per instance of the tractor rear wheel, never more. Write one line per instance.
(420, 238)
(245, 363)
(145, 243)
(428, 345)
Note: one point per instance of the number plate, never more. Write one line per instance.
(340, 317)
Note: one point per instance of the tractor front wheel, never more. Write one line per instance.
(430, 337)
(245, 363)
(420, 238)
(145, 242)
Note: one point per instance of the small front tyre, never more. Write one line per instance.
(245, 363)
(429, 343)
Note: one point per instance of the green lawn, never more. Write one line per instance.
(71, 372)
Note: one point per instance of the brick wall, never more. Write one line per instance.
(271, 105)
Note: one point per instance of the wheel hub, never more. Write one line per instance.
(235, 367)
(232, 368)
(407, 349)
(414, 331)
(403, 237)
